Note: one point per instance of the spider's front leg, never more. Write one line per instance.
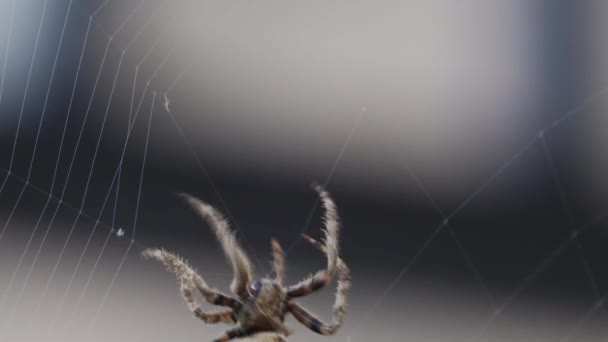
(189, 280)
(241, 265)
(332, 227)
(279, 262)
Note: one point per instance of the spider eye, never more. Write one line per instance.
(255, 287)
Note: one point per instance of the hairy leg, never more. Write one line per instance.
(238, 332)
(332, 227)
(266, 337)
(279, 262)
(241, 264)
(339, 310)
(226, 316)
(190, 279)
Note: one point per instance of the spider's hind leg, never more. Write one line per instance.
(225, 316)
(339, 310)
(237, 332)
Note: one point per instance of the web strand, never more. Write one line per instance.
(104, 299)
(116, 273)
(469, 261)
(119, 168)
(116, 200)
(4, 64)
(572, 241)
(328, 178)
(210, 180)
(61, 144)
(84, 196)
(99, 256)
(44, 107)
(8, 46)
(552, 256)
(533, 140)
(571, 223)
(593, 310)
(92, 233)
(23, 101)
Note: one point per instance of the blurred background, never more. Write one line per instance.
(462, 141)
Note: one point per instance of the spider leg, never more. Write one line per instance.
(269, 337)
(190, 279)
(279, 262)
(339, 310)
(332, 227)
(241, 264)
(238, 332)
(226, 316)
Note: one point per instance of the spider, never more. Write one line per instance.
(260, 306)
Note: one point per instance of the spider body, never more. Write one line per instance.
(265, 307)
(262, 305)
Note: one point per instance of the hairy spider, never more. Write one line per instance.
(260, 306)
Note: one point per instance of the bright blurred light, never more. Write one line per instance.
(444, 83)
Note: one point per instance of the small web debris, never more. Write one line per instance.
(167, 103)
(120, 233)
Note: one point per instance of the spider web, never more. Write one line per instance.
(59, 200)
(116, 67)
(142, 75)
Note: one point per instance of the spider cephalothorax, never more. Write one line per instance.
(261, 305)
